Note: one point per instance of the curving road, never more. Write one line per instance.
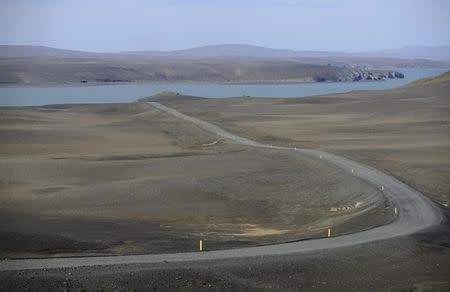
(415, 213)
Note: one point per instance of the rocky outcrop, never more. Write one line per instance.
(351, 74)
(374, 75)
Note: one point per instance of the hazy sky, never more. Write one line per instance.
(107, 25)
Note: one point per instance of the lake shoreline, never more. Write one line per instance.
(90, 84)
(115, 92)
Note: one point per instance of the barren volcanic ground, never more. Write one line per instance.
(69, 178)
(403, 131)
(128, 178)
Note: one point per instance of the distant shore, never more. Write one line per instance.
(258, 82)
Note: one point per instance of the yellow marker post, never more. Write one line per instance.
(329, 232)
(200, 246)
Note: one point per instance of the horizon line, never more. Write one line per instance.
(226, 44)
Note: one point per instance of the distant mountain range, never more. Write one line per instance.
(437, 53)
(441, 53)
(10, 51)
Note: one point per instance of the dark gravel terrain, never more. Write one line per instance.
(420, 262)
(408, 138)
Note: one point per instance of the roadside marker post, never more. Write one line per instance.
(353, 170)
(329, 232)
(395, 211)
(320, 156)
(382, 188)
(200, 246)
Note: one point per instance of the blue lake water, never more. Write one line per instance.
(27, 96)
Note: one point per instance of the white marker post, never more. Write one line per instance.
(320, 156)
(200, 246)
(382, 188)
(329, 232)
(395, 211)
(353, 170)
